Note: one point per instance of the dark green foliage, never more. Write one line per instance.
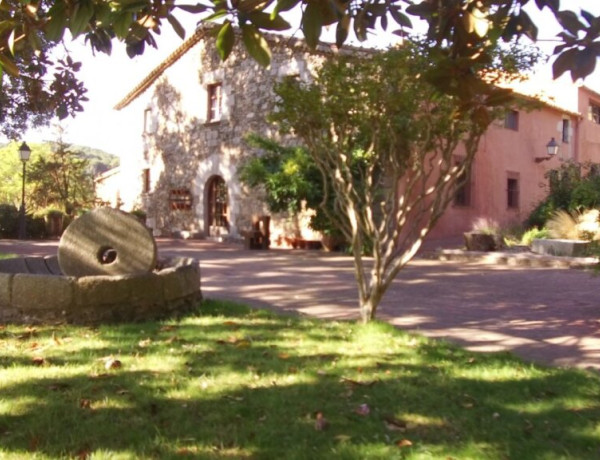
(571, 187)
(288, 175)
(9, 218)
(35, 227)
(290, 179)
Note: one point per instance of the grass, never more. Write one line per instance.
(234, 383)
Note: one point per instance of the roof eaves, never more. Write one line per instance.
(160, 69)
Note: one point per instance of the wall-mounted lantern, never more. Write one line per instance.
(551, 151)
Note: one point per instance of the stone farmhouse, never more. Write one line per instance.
(193, 112)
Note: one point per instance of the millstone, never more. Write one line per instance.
(106, 241)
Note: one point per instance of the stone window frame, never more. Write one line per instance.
(214, 102)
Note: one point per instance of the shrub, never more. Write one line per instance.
(571, 187)
(486, 226)
(534, 234)
(9, 221)
(575, 225)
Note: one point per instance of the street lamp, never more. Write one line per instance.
(24, 154)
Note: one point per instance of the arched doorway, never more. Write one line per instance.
(217, 204)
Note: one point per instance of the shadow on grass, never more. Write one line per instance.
(239, 383)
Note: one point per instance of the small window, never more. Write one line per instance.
(180, 199)
(146, 180)
(462, 196)
(214, 102)
(594, 113)
(511, 120)
(148, 121)
(512, 192)
(566, 129)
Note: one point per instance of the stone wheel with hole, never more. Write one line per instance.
(106, 241)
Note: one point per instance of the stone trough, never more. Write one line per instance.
(64, 289)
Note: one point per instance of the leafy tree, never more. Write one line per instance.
(62, 180)
(465, 31)
(408, 136)
(290, 180)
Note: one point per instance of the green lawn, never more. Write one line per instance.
(234, 383)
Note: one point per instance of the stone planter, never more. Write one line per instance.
(558, 247)
(482, 242)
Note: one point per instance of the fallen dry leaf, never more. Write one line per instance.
(243, 344)
(394, 424)
(283, 356)
(38, 361)
(167, 328)
(144, 343)
(343, 438)
(85, 403)
(403, 443)
(321, 422)
(83, 454)
(56, 340)
(112, 363)
(363, 410)
(357, 383)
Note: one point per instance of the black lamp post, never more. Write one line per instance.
(24, 154)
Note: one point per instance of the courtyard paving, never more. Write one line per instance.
(549, 315)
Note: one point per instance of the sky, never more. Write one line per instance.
(109, 78)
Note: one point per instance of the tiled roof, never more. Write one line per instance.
(164, 65)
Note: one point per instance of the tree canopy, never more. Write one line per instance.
(465, 31)
(391, 147)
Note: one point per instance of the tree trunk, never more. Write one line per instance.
(368, 304)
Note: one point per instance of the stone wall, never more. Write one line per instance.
(43, 297)
(184, 150)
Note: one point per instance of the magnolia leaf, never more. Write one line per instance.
(400, 18)
(79, 20)
(585, 63)
(268, 22)
(11, 42)
(122, 23)
(312, 22)
(9, 66)
(383, 21)
(342, 30)
(194, 9)
(216, 15)
(481, 23)
(569, 21)
(283, 5)
(256, 45)
(177, 27)
(564, 62)
(589, 17)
